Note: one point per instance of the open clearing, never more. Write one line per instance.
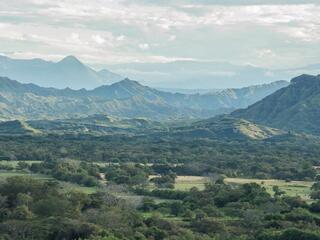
(293, 188)
(188, 182)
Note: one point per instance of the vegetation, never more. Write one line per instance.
(101, 178)
(40, 209)
(288, 157)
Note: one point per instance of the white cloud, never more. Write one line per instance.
(98, 39)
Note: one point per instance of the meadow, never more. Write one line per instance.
(292, 188)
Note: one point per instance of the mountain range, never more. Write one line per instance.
(126, 98)
(295, 107)
(183, 76)
(127, 107)
(69, 72)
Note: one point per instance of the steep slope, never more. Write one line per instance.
(69, 72)
(296, 107)
(229, 128)
(126, 98)
(228, 99)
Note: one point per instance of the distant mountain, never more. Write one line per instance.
(69, 72)
(126, 98)
(227, 128)
(206, 74)
(296, 107)
(189, 91)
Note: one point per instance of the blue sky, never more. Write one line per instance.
(273, 34)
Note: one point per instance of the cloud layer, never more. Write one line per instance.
(278, 34)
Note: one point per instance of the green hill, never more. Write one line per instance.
(228, 128)
(296, 107)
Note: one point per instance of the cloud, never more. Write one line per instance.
(98, 39)
(151, 30)
(144, 46)
(172, 38)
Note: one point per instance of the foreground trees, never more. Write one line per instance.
(40, 210)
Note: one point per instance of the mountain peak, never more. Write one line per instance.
(127, 82)
(305, 78)
(71, 60)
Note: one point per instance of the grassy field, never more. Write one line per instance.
(293, 188)
(15, 163)
(188, 182)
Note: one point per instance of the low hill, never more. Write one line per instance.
(227, 128)
(97, 125)
(17, 128)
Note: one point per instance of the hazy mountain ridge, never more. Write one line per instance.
(296, 107)
(206, 74)
(69, 72)
(126, 98)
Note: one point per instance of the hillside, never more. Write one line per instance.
(227, 128)
(125, 99)
(17, 128)
(69, 72)
(296, 107)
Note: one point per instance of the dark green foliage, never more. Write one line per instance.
(165, 180)
(130, 174)
(82, 173)
(278, 157)
(290, 234)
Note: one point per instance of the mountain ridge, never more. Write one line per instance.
(126, 98)
(68, 72)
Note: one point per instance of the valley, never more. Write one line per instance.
(85, 158)
(160, 120)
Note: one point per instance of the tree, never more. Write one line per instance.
(277, 191)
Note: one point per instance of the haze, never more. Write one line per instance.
(105, 33)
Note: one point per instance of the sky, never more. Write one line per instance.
(265, 33)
